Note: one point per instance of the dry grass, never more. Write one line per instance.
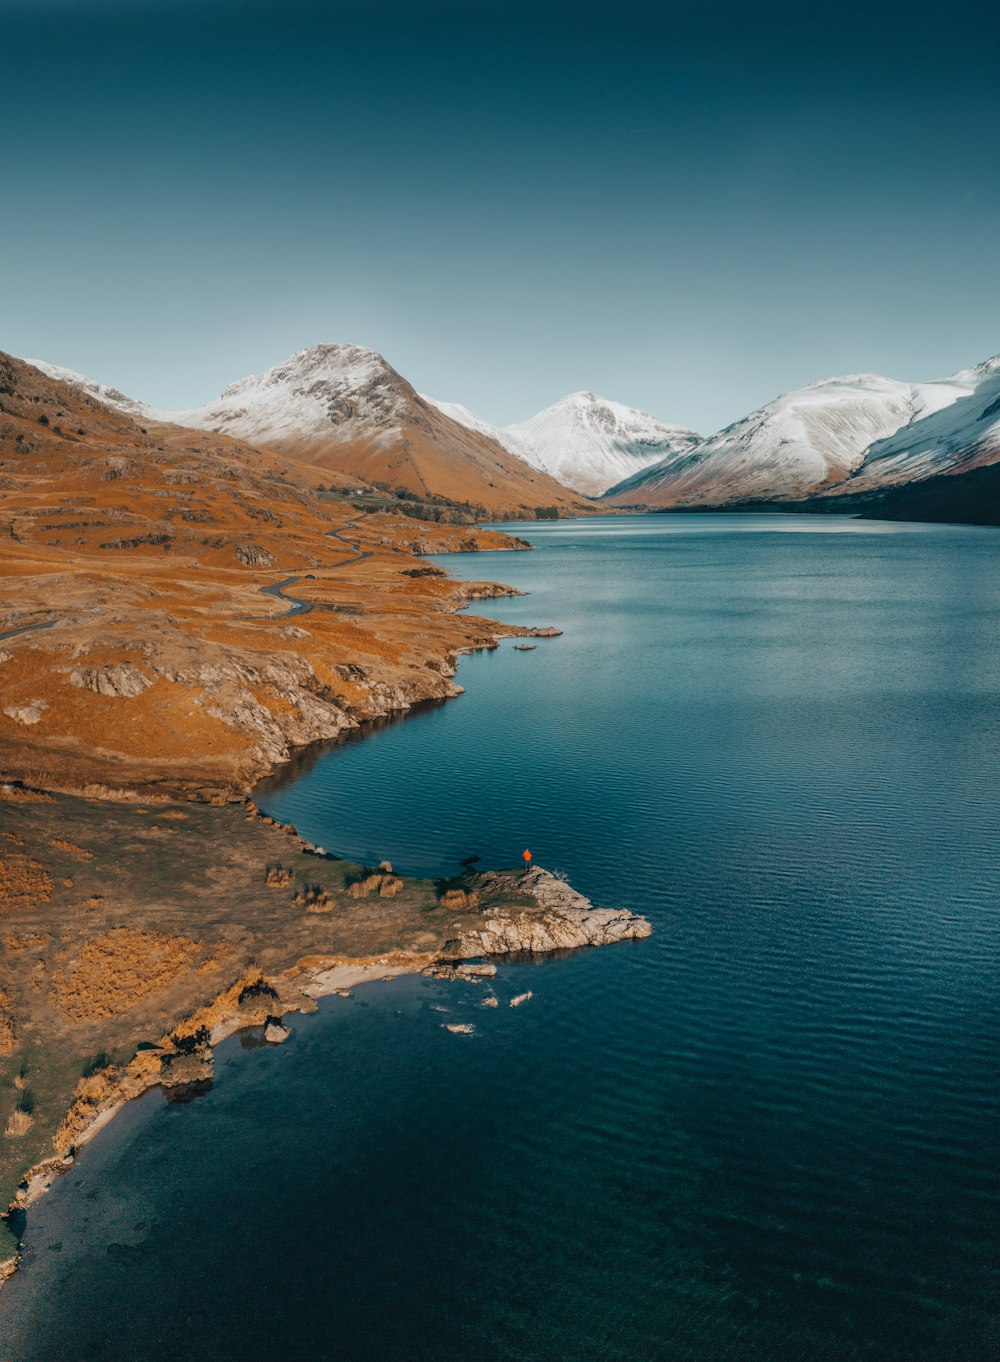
(8, 1032)
(19, 1123)
(459, 900)
(25, 941)
(115, 971)
(24, 884)
(62, 845)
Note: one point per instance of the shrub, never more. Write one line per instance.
(186, 1045)
(260, 988)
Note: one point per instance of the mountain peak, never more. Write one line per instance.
(342, 364)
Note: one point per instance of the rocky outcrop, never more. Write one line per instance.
(121, 679)
(452, 970)
(568, 920)
(488, 591)
(253, 555)
(27, 714)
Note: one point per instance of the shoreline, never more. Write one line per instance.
(551, 917)
(488, 916)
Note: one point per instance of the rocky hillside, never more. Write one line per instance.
(344, 410)
(149, 632)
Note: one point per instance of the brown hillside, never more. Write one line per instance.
(438, 457)
(151, 561)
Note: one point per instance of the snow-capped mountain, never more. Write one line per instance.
(584, 441)
(111, 397)
(816, 439)
(590, 443)
(344, 408)
(952, 437)
(323, 392)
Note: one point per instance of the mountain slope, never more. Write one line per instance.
(344, 407)
(590, 443)
(148, 583)
(585, 441)
(344, 410)
(963, 434)
(111, 397)
(803, 442)
(969, 498)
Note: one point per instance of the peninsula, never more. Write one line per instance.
(182, 612)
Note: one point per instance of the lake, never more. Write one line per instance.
(769, 1132)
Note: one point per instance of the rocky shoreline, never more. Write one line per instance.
(560, 918)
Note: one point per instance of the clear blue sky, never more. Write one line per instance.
(686, 207)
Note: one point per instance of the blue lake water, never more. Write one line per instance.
(769, 1132)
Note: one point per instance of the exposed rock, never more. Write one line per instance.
(275, 1033)
(39, 1179)
(186, 1067)
(521, 998)
(252, 555)
(121, 679)
(524, 647)
(491, 1002)
(27, 714)
(459, 1028)
(488, 591)
(470, 974)
(570, 920)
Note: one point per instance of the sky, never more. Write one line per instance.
(688, 207)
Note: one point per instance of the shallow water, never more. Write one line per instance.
(769, 1132)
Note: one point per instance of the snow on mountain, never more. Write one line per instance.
(584, 441)
(322, 391)
(111, 396)
(345, 410)
(590, 443)
(804, 442)
(456, 412)
(344, 407)
(957, 429)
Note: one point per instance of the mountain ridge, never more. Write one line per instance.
(837, 436)
(343, 408)
(583, 440)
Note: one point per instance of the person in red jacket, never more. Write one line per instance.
(527, 860)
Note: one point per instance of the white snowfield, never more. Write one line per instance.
(337, 391)
(838, 435)
(584, 441)
(111, 397)
(832, 437)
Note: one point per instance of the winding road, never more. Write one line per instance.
(277, 589)
(298, 607)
